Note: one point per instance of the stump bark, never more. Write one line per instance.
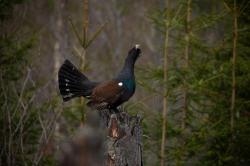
(123, 139)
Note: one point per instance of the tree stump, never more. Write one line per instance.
(105, 140)
(123, 139)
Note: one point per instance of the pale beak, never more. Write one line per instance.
(137, 46)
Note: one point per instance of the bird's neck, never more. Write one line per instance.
(127, 71)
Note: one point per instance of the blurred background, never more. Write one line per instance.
(192, 79)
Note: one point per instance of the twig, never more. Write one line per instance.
(22, 91)
(49, 129)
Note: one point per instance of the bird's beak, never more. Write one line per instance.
(137, 46)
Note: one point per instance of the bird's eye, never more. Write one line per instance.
(120, 83)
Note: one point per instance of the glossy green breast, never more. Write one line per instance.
(130, 84)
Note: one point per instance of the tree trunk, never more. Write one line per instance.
(59, 29)
(123, 141)
(187, 51)
(235, 38)
(83, 52)
(165, 99)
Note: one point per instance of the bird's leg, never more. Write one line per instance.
(114, 110)
(111, 109)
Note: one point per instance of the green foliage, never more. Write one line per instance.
(6, 7)
(13, 52)
(21, 119)
(207, 139)
(21, 128)
(27, 126)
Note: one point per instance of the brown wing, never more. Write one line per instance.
(107, 92)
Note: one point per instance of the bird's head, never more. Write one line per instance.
(135, 52)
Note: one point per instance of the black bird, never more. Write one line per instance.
(102, 95)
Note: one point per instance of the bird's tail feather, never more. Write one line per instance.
(72, 83)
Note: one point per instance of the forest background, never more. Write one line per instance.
(192, 80)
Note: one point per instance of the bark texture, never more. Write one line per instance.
(123, 141)
(112, 140)
(235, 39)
(165, 97)
(186, 63)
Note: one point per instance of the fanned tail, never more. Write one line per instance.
(72, 83)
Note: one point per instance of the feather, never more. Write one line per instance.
(72, 83)
(108, 92)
